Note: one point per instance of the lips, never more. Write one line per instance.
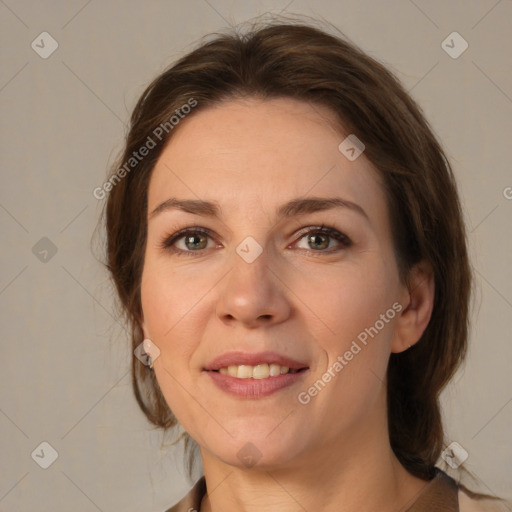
(249, 389)
(245, 358)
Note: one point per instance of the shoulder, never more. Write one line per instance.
(469, 504)
(191, 502)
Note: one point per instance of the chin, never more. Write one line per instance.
(257, 450)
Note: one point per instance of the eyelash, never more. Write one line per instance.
(168, 242)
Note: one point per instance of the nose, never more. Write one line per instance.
(253, 295)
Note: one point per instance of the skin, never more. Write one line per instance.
(251, 156)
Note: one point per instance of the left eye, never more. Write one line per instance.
(319, 239)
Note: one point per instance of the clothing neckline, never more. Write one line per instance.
(439, 494)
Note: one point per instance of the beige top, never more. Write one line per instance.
(441, 495)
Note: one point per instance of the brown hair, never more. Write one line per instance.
(300, 61)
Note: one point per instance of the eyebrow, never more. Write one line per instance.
(295, 207)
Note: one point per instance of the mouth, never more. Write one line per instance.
(262, 365)
(257, 375)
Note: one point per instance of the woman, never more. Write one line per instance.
(286, 239)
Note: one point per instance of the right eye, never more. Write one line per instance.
(188, 241)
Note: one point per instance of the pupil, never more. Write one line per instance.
(194, 242)
(318, 238)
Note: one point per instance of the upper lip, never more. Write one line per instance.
(238, 358)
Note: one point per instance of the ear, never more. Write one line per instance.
(143, 326)
(418, 303)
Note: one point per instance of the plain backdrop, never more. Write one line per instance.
(65, 377)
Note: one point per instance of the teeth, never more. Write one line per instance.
(260, 371)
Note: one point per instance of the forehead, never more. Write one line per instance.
(256, 153)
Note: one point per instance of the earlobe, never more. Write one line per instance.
(417, 308)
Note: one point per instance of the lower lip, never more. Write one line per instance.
(255, 388)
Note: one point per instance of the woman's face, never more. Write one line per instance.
(255, 272)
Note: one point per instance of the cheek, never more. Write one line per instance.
(170, 296)
(172, 319)
(345, 303)
(169, 305)
(177, 308)
(356, 327)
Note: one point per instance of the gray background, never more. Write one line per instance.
(64, 376)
